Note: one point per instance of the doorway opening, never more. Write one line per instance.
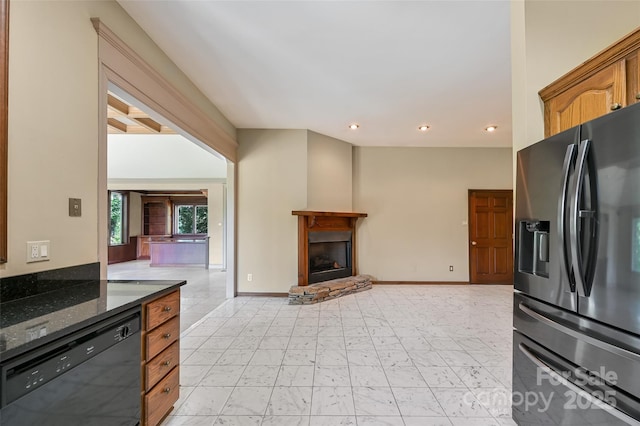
(166, 205)
(128, 76)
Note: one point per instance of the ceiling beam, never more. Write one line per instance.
(116, 125)
(149, 123)
(117, 105)
(117, 108)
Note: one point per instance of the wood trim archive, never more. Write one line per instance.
(123, 67)
(127, 70)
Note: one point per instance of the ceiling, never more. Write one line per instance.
(389, 66)
(122, 117)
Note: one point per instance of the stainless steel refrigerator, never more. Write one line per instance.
(576, 314)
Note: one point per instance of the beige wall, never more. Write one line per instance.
(550, 38)
(216, 225)
(53, 75)
(135, 214)
(272, 181)
(329, 184)
(280, 171)
(416, 199)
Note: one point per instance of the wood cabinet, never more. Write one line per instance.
(160, 357)
(156, 223)
(605, 83)
(144, 244)
(156, 215)
(143, 247)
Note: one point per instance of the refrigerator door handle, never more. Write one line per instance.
(578, 335)
(565, 266)
(593, 401)
(574, 219)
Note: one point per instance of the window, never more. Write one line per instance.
(118, 218)
(191, 219)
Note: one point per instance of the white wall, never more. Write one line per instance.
(161, 156)
(53, 75)
(416, 199)
(329, 184)
(272, 181)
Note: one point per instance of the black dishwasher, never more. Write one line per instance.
(91, 377)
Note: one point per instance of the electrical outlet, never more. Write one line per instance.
(249, 277)
(37, 251)
(450, 268)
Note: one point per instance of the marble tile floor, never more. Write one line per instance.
(394, 355)
(204, 291)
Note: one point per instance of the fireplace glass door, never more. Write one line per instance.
(329, 255)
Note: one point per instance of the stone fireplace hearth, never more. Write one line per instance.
(305, 295)
(326, 257)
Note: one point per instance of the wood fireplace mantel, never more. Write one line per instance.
(314, 221)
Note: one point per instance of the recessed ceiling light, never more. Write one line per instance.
(354, 126)
(491, 128)
(423, 128)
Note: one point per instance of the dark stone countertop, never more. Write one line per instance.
(34, 320)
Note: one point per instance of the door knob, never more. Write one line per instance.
(473, 243)
(637, 95)
(615, 106)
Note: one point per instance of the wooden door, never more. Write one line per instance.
(491, 236)
(599, 94)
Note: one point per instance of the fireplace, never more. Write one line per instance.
(329, 255)
(326, 246)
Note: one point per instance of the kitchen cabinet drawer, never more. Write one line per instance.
(161, 337)
(162, 309)
(160, 399)
(160, 357)
(159, 366)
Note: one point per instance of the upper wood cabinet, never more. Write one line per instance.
(607, 82)
(156, 216)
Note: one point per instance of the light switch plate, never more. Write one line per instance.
(75, 207)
